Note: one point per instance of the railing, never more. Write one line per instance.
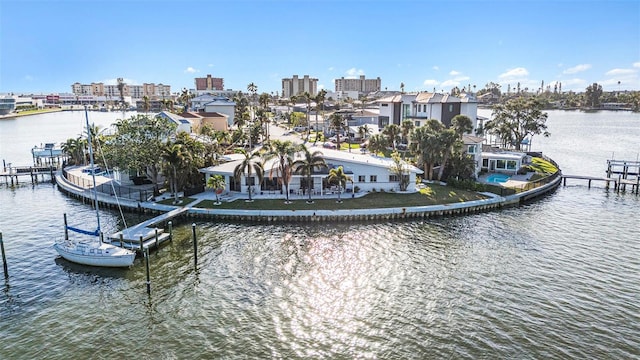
(109, 188)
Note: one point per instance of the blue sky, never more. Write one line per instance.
(45, 46)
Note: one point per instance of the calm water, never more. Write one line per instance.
(558, 278)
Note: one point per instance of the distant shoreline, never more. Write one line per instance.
(28, 113)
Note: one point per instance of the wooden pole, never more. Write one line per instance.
(141, 246)
(195, 246)
(4, 259)
(170, 231)
(66, 231)
(146, 261)
(157, 245)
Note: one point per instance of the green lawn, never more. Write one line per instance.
(432, 195)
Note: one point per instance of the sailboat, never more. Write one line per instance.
(91, 250)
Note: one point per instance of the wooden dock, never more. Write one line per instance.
(628, 175)
(146, 234)
(14, 173)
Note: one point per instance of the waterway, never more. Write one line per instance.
(556, 278)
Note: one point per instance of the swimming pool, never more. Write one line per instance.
(498, 178)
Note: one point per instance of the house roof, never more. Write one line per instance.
(470, 139)
(334, 157)
(202, 114)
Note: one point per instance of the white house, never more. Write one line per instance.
(473, 148)
(367, 173)
(508, 162)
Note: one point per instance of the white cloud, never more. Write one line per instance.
(431, 82)
(436, 67)
(331, 68)
(190, 70)
(513, 74)
(454, 73)
(577, 69)
(636, 64)
(620, 72)
(28, 78)
(210, 65)
(353, 72)
(450, 83)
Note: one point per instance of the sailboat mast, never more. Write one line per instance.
(91, 164)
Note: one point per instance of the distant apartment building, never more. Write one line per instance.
(296, 86)
(209, 83)
(360, 85)
(150, 90)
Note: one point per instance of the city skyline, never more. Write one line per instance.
(421, 44)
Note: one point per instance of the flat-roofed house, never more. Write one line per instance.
(368, 173)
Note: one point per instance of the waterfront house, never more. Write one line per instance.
(502, 161)
(473, 148)
(368, 172)
(422, 106)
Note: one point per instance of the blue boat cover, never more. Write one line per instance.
(86, 232)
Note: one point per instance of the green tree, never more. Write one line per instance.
(283, 169)
(75, 149)
(138, 143)
(516, 119)
(320, 97)
(400, 169)
(447, 140)
(307, 97)
(377, 143)
(174, 157)
(337, 175)
(146, 103)
(406, 127)
(218, 184)
(307, 164)
(462, 124)
(364, 131)
(593, 94)
(425, 146)
(392, 133)
(336, 122)
(251, 163)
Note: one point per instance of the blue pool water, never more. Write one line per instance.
(498, 178)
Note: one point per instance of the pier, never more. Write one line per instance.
(628, 174)
(12, 174)
(146, 234)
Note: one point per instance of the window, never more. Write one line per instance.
(417, 124)
(451, 108)
(394, 178)
(361, 178)
(501, 164)
(385, 105)
(485, 163)
(373, 178)
(511, 164)
(471, 149)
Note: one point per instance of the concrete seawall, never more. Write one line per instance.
(380, 214)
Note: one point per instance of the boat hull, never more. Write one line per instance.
(103, 255)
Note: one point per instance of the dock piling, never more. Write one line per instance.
(4, 259)
(146, 261)
(170, 231)
(195, 246)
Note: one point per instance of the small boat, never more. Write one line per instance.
(91, 250)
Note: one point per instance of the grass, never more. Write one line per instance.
(431, 195)
(542, 166)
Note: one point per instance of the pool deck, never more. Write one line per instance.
(514, 180)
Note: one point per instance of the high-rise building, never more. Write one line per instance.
(209, 83)
(296, 86)
(361, 85)
(151, 90)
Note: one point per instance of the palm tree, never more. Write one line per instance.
(307, 98)
(364, 131)
(405, 129)
(377, 143)
(306, 165)
(74, 148)
(173, 156)
(338, 175)
(285, 152)
(218, 184)
(249, 165)
(146, 103)
(425, 145)
(336, 122)
(447, 140)
(462, 124)
(319, 100)
(392, 132)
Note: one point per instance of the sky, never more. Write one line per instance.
(45, 46)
